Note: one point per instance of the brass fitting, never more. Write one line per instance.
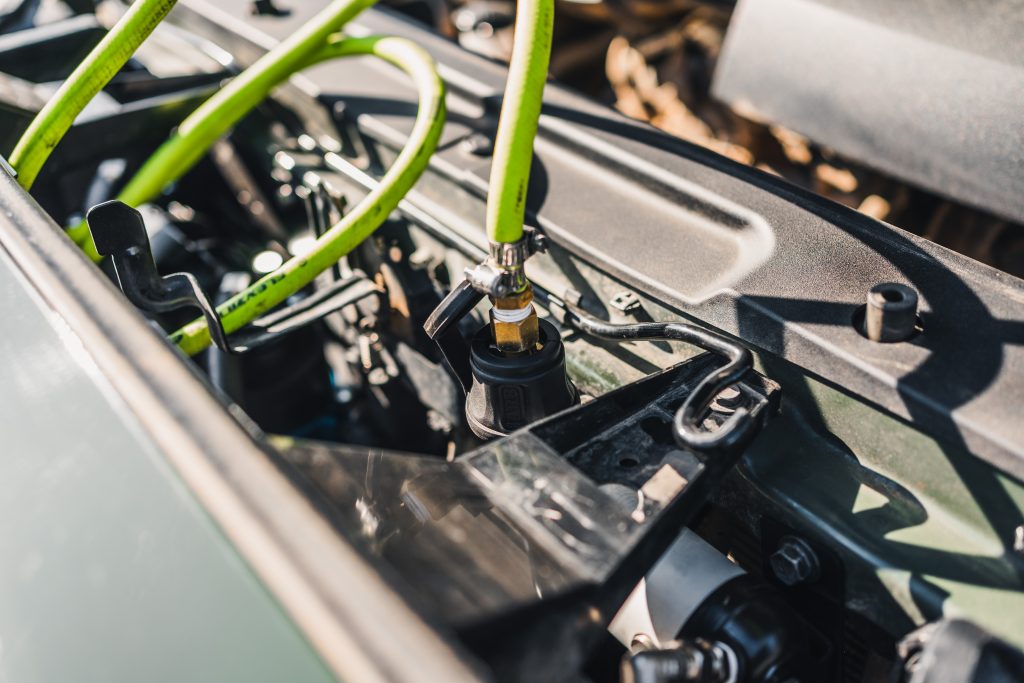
(514, 322)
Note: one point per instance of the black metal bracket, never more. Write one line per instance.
(118, 231)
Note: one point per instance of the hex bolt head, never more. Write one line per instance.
(891, 313)
(794, 562)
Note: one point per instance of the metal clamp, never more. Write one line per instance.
(502, 273)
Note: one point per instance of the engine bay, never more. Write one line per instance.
(700, 423)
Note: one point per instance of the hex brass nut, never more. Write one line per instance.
(522, 335)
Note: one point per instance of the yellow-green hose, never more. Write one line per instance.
(106, 59)
(360, 223)
(517, 126)
(220, 113)
(313, 43)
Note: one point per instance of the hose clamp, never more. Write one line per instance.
(502, 273)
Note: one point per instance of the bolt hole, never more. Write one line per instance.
(893, 296)
(628, 463)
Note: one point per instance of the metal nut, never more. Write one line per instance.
(522, 334)
(794, 562)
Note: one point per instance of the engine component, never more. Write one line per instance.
(696, 661)
(657, 609)
(957, 651)
(512, 391)
(515, 373)
(695, 594)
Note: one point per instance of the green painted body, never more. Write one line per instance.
(113, 571)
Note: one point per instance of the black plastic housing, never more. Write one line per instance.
(509, 392)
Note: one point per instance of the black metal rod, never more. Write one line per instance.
(687, 424)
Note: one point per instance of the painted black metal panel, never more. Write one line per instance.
(738, 249)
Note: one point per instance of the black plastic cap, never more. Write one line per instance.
(116, 227)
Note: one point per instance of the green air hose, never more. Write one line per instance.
(314, 43)
(95, 71)
(360, 223)
(217, 115)
(517, 126)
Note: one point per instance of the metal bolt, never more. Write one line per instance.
(1018, 540)
(728, 398)
(891, 313)
(794, 562)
